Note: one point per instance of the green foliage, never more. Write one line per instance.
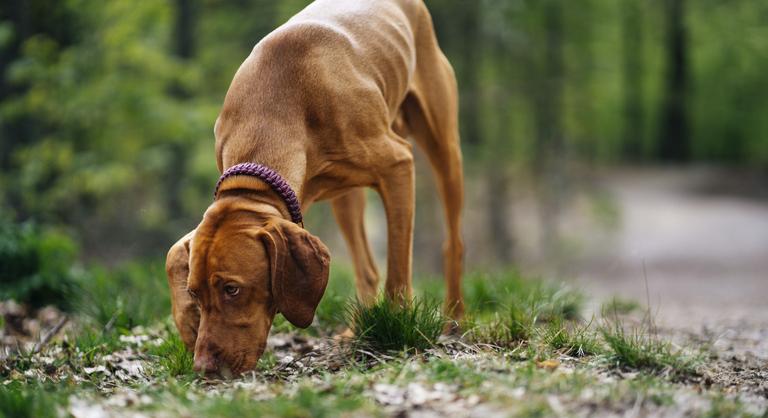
(619, 306)
(340, 290)
(572, 340)
(637, 349)
(330, 312)
(481, 293)
(510, 329)
(173, 356)
(90, 344)
(729, 47)
(133, 294)
(488, 292)
(390, 326)
(19, 400)
(319, 389)
(307, 402)
(722, 407)
(36, 265)
(505, 308)
(106, 127)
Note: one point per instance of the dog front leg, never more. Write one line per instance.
(396, 188)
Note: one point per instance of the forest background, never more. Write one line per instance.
(107, 112)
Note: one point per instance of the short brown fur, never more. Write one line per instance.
(327, 101)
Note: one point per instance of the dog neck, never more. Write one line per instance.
(270, 177)
(255, 190)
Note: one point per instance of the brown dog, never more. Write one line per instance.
(326, 101)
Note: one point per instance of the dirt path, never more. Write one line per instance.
(702, 236)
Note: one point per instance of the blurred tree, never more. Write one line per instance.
(580, 101)
(107, 108)
(497, 52)
(632, 74)
(22, 20)
(674, 136)
(184, 49)
(548, 114)
(186, 17)
(464, 46)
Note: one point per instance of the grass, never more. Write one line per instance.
(638, 349)
(489, 293)
(307, 402)
(722, 407)
(122, 298)
(330, 313)
(91, 342)
(390, 326)
(18, 400)
(525, 345)
(572, 340)
(511, 328)
(173, 356)
(619, 306)
(506, 309)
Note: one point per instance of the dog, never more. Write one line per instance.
(320, 110)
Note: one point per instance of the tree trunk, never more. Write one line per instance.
(184, 30)
(469, 76)
(549, 118)
(497, 176)
(674, 141)
(184, 48)
(632, 42)
(17, 13)
(499, 214)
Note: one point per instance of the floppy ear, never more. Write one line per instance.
(186, 314)
(299, 264)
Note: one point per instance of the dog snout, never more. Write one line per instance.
(206, 356)
(206, 362)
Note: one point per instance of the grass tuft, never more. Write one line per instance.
(174, 358)
(636, 349)
(575, 341)
(514, 327)
(389, 326)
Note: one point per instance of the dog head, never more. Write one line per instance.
(244, 268)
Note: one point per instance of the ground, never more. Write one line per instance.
(693, 254)
(546, 360)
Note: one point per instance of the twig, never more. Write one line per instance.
(651, 324)
(49, 335)
(377, 358)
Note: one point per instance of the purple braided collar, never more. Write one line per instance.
(269, 176)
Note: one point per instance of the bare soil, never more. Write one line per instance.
(692, 244)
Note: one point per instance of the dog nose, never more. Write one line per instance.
(206, 363)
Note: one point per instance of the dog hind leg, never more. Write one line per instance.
(431, 113)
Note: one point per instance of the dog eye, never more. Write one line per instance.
(231, 290)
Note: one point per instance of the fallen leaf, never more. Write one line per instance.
(550, 364)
